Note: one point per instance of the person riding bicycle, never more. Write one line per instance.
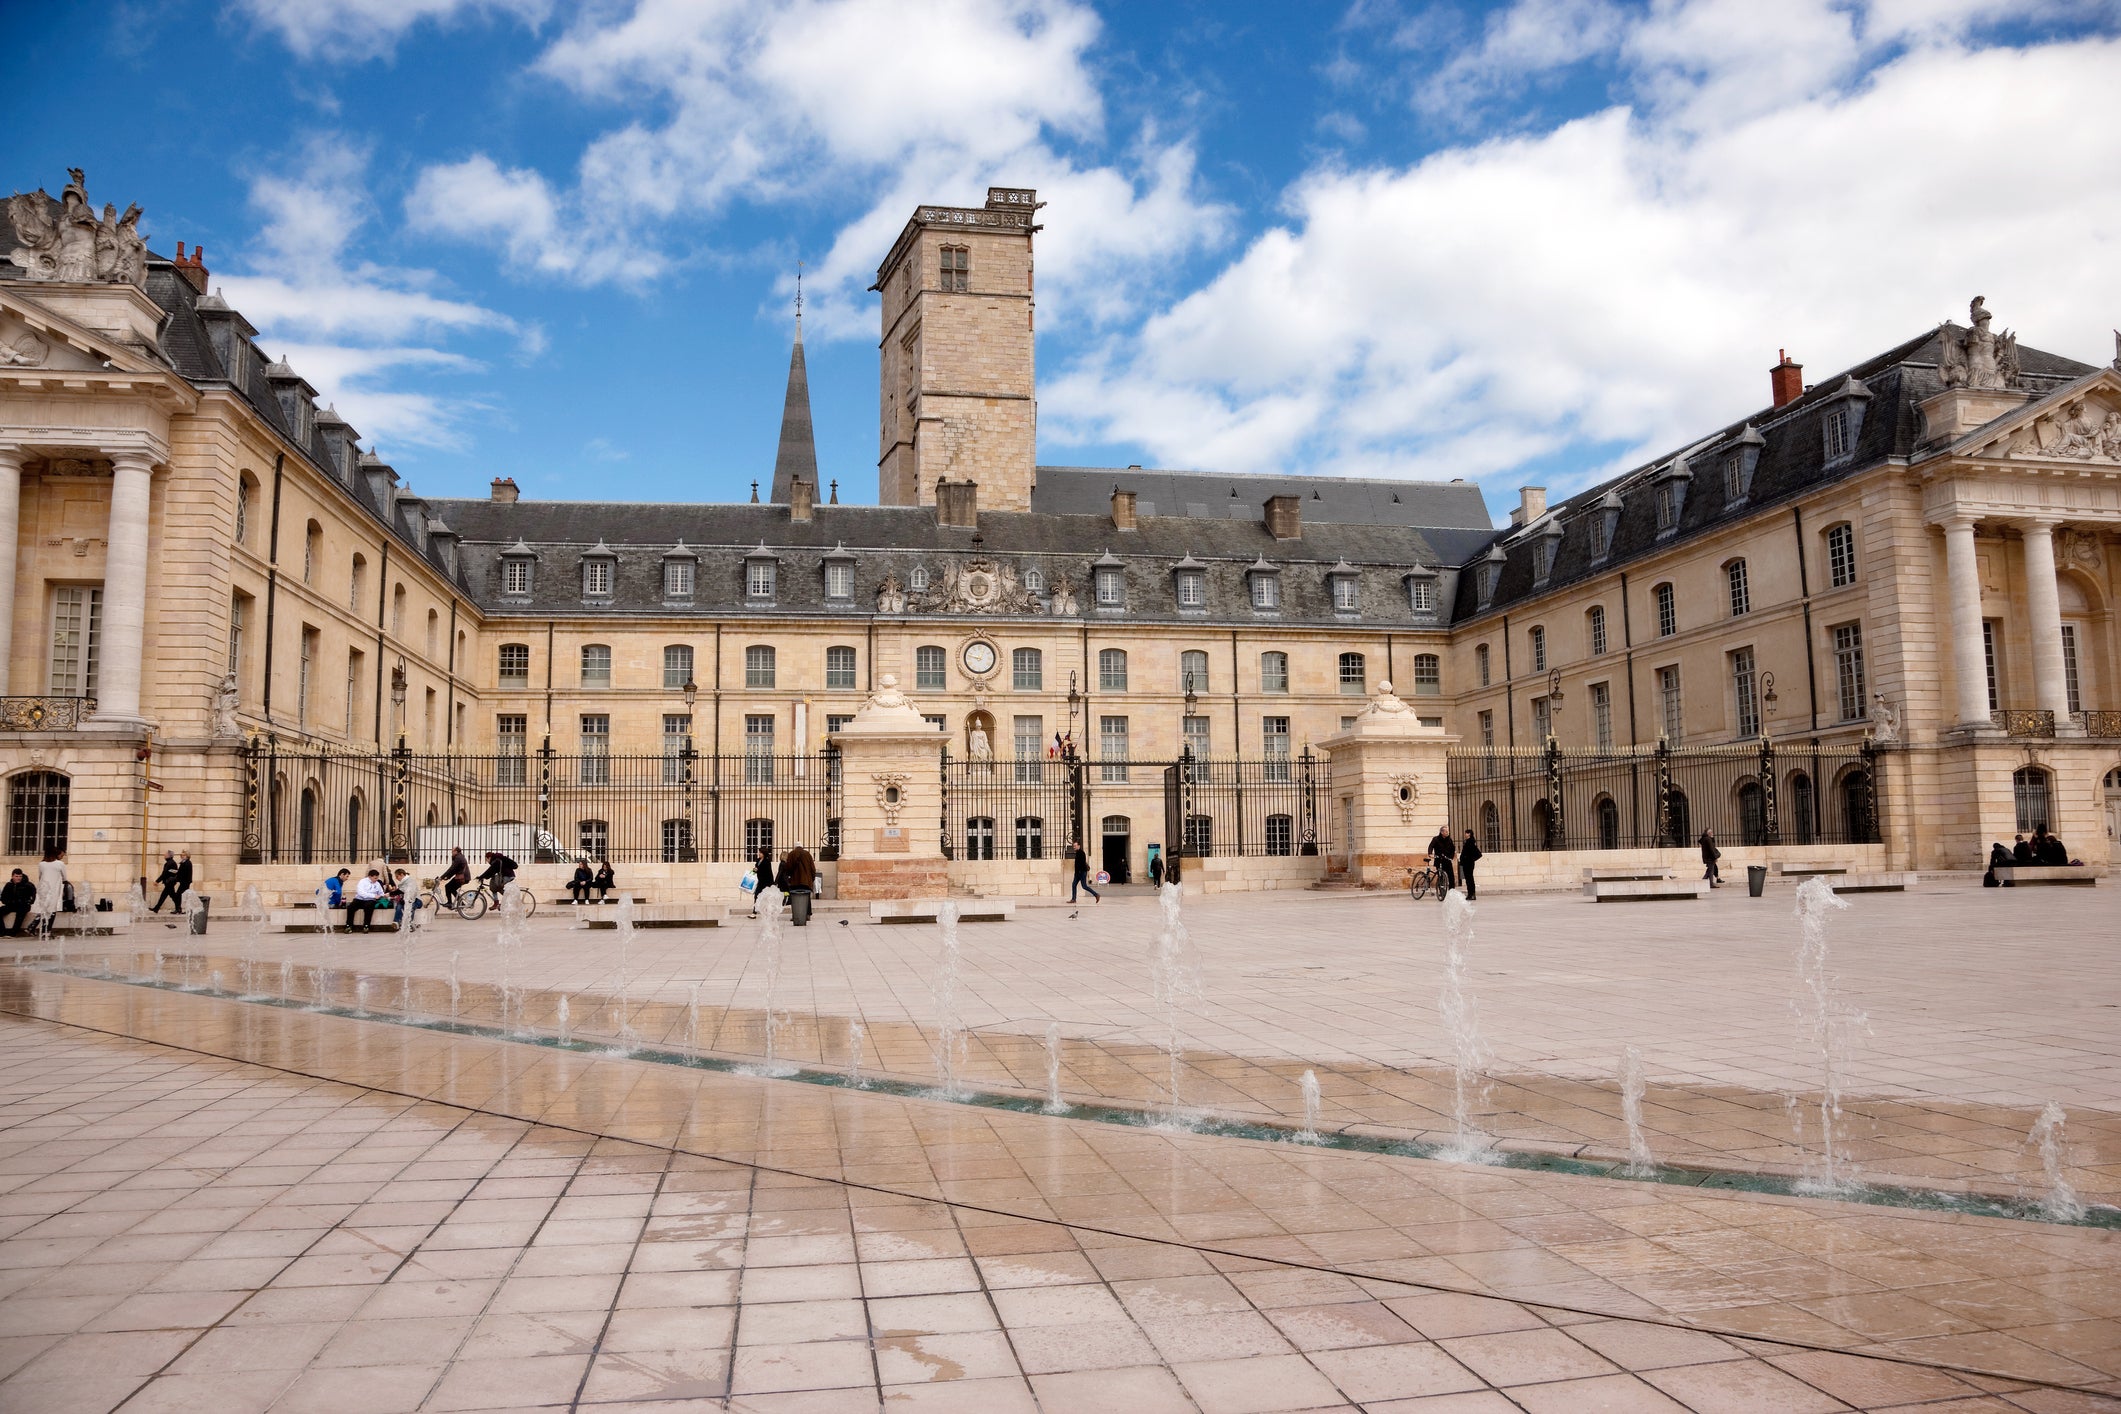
(1443, 855)
(455, 877)
(501, 870)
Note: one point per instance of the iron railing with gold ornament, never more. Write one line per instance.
(2024, 722)
(44, 714)
(2099, 723)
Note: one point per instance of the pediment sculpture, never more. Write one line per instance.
(2081, 430)
(979, 586)
(1977, 357)
(891, 596)
(73, 242)
(1064, 604)
(23, 350)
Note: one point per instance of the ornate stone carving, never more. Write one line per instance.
(1406, 794)
(890, 794)
(977, 745)
(2082, 430)
(1978, 358)
(24, 350)
(887, 697)
(1064, 603)
(979, 586)
(1885, 718)
(1386, 703)
(74, 243)
(890, 596)
(225, 699)
(2077, 547)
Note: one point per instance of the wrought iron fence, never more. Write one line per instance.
(1195, 806)
(1758, 794)
(44, 714)
(308, 804)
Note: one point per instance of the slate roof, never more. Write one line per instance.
(796, 458)
(1792, 461)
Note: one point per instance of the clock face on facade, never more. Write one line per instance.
(979, 658)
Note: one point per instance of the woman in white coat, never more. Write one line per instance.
(51, 889)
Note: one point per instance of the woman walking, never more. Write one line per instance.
(51, 890)
(763, 868)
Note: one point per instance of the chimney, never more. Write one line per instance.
(504, 490)
(802, 499)
(1531, 505)
(1285, 517)
(957, 504)
(194, 269)
(1786, 379)
(1123, 510)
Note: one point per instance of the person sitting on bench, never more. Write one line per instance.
(605, 881)
(367, 894)
(580, 885)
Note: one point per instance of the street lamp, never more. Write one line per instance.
(397, 699)
(1075, 702)
(1767, 692)
(1553, 701)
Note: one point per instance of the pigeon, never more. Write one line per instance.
(843, 922)
(1071, 915)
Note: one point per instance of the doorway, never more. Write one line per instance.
(1118, 841)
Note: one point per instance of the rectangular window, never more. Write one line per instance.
(839, 669)
(1841, 555)
(677, 735)
(1347, 594)
(1602, 715)
(2069, 668)
(677, 579)
(511, 734)
(758, 748)
(1273, 672)
(1539, 649)
(957, 269)
(1601, 535)
(1542, 720)
(1274, 747)
(758, 666)
(238, 619)
(1671, 710)
(353, 681)
(1487, 730)
(1422, 593)
(1193, 671)
(1669, 494)
(1353, 681)
(304, 674)
(837, 722)
(1195, 730)
(1111, 589)
(1192, 589)
(1281, 834)
(77, 632)
(596, 665)
(1988, 658)
(1745, 693)
(515, 576)
(1027, 670)
(1835, 428)
(1428, 675)
(1111, 670)
(677, 666)
(1028, 741)
(1266, 591)
(1667, 611)
(941, 724)
(1485, 662)
(758, 579)
(1030, 837)
(515, 665)
(1741, 589)
(1848, 671)
(1112, 746)
(596, 579)
(594, 838)
(928, 663)
(839, 580)
(596, 749)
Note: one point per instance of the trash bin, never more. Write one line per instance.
(198, 915)
(799, 906)
(1755, 879)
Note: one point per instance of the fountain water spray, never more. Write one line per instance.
(1309, 1133)
(287, 978)
(565, 1026)
(1633, 1086)
(2060, 1202)
(156, 975)
(213, 980)
(360, 995)
(855, 1032)
(1469, 1051)
(405, 966)
(771, 902)
(1054, 1104)
(692, 1018)
(622, 1013)
(949, 1025)
(508, 939)
(253, 936)
(1827, 1024)
(1174, 981)
(456, 991)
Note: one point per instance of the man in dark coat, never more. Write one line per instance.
(1469, 852)
(1709, 855)
(1443, 857)
(1998, 857)
(2048, 849)
(1079, 873)
(455, 877)
(799, 876)
(17, 896)
(2022, 852)
(171, 894)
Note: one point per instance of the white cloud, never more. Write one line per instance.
(368, 29)
(349, 326)
(1614, 286)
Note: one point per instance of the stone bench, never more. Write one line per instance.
(2047, 874)
(92, 924)
(1807, 871)
(305, 920)
(1842, 881)
(1646, 890)
(922, 910)
(1645, 874)
(696, 914)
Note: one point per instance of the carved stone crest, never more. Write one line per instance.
(1406, 794)
(890, 596)
(1064, 604)
(979, 586)
(890, 794)
(1978, 358)
(73, 242)
(2077, 547)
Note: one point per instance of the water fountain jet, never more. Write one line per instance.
(1829, 1025)
(1633, 1086)
(1469, 1051)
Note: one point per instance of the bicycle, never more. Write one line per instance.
(474, 899)
(1422, 882)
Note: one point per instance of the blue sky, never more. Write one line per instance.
(1532, 241)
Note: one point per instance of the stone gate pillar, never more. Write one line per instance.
(891, 801)
(1389, 791)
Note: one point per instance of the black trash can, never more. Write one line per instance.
(799, 906)
(1755, 879)
(198, 915)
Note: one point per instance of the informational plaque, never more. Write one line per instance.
(891, 839)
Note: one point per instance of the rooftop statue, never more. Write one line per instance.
(1979, 358)
(75, 243)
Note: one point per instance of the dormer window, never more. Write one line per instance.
(600, 572)
(761, 575)
(839, 575)
(1835, 434)
(1421, 592)
(1544, 553)
(517, 564)
(1035, 581)
(1738, 464)
(1346, 582)
(1108, 580)
(1670, 492)
(1192, 589)
(1264, 581)
(1842, 421)
(917, 580)
(680, 572)
(1605, 522)
(1488, 576)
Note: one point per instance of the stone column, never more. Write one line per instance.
(124, 589)
(1969, 662)
(891, 801)
(1390, 790)
(10, 528)
(2043, 606)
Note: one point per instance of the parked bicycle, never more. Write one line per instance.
(1422, 882)
(474, 899)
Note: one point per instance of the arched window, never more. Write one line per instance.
(1608, 814)
(1490, 827)
(515, 665)
(593, 838)
(1027, 670)
(38, 803)
(979, 837)
(1799, 820)
(1741, 589)
(1667, 610)
(1273, 672)
(2029, 787)
(306, 827)
(1681, 821)
(246, 497)
(759, 665)
(1193, 671)
(1594, 629)
(677, 666)
(1354, 679)
(353, 826)
(1428, 675)
(312, 551)
(1482, 661)
(1030, 837)
(839, 668)
(434, 623)
(677, 842)
(1538, 635)
(397, 611)
(1542, 824)
(1281, 834)
(917, 580)
(1858, 810)
(1752, 813)
(596, 665)
(1111, 670)
(355, 582)
(758, 835)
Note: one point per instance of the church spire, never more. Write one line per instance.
(797, 457)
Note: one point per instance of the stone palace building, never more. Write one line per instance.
(1873, 618)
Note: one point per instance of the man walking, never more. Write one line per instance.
(1469, 852)
(1079, 873)
(1709, 855)
(172, 894)
(1443, 855)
